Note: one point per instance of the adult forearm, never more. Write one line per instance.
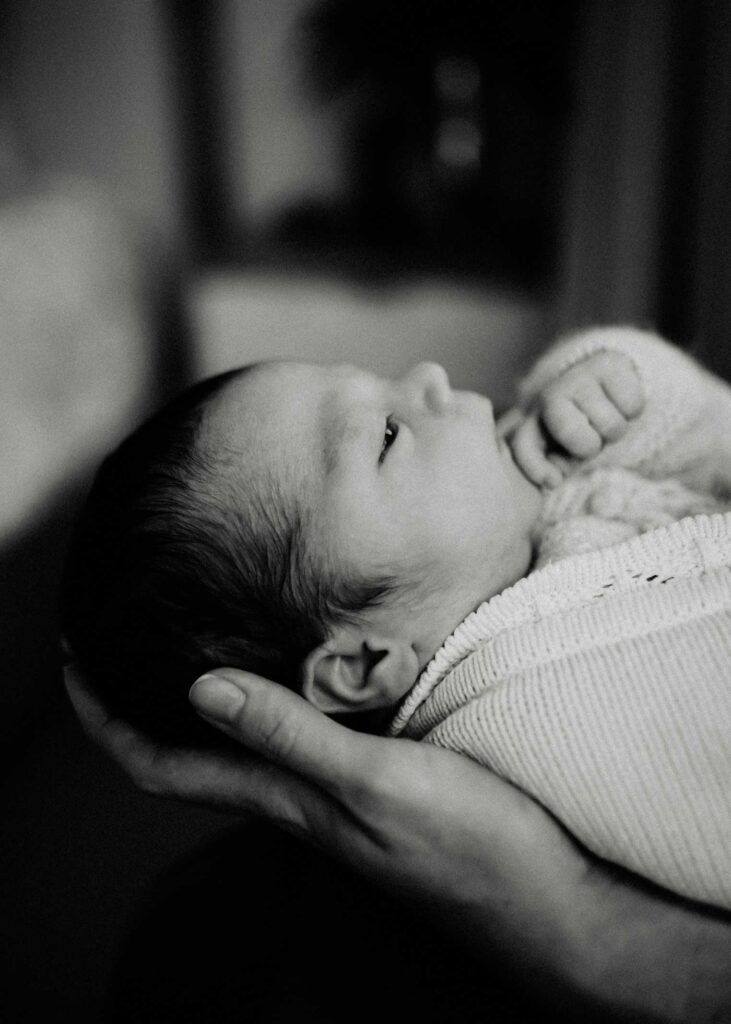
(665, 957)
(602, 948)
(599, 944)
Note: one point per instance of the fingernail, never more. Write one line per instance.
(216, 697)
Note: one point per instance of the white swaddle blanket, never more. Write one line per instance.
(601, 685)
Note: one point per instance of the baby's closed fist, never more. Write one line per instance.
(589, 405)
(592, 403)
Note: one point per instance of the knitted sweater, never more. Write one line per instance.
(601, 683)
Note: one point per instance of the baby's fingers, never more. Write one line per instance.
(528, 444)
(568, 424)
(602, 413)
(624, 390)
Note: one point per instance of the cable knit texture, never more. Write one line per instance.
(601, 683)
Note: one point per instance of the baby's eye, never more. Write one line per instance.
(389, 436)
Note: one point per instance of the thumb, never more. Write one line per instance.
(282, 727)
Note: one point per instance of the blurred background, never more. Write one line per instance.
(186, 186)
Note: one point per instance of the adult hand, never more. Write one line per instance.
(496, 869)
(378, 803)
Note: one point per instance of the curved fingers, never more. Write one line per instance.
(529, 447)
(290, 733)
(128, 748)
(568, 424)
(229, 780)
(622, 385)
(603, 415)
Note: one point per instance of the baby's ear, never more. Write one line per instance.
(355, 672)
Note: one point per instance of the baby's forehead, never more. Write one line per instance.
(266, 394)
(272, 380)
(265, 422)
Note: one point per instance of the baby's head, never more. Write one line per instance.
(318, 525)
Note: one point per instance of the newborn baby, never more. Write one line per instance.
(349, 535)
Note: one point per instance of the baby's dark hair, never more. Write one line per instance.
(174, 569)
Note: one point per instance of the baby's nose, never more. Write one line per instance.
(432, 381)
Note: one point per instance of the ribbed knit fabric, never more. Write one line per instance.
(601, 683)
